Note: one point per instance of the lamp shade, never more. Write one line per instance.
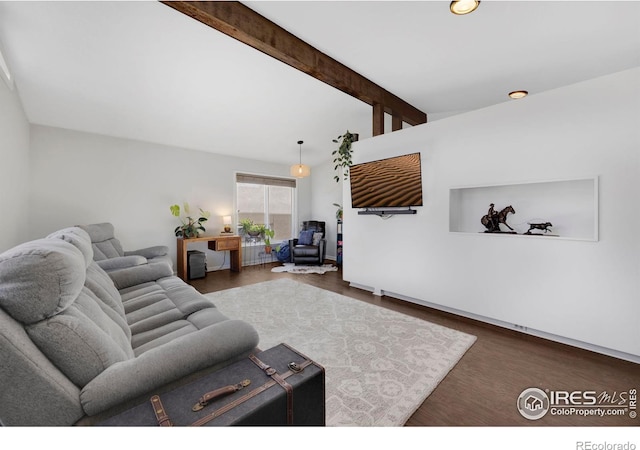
(226, 222)
(300, 170)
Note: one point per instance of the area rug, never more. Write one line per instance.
(380, 365)
(292, 268)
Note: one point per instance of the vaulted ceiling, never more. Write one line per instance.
(142, 70)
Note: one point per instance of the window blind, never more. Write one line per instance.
(265, 180)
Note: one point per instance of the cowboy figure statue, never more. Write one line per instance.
(492, 215)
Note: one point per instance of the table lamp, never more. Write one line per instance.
(226, 220)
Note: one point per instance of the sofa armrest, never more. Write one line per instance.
(214, 345)
(131, 276)
(121, 262)
(149, 252)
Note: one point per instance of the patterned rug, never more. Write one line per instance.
(292, 268)
(380, 365)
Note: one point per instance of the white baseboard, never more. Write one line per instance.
(510, 326)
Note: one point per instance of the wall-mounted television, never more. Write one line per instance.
(386, 183)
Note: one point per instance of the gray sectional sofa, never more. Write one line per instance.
(77, 342)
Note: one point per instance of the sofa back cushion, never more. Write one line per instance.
(70, 310)
(97, 281)
(83, 340)
(78, 238)
(103, 240)
(39, 279)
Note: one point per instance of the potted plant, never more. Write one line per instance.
(245, 226)
(338, 211)
(256, 230)
(190, 227)
(343, 153)
(268, 235)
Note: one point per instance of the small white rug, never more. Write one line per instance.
(380, 365)
(292, 268)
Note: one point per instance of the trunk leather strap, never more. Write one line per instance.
(281, 381)
(161, 415)
(212, 395)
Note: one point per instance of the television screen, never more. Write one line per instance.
(390, 182)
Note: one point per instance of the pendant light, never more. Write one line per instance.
(300, 170)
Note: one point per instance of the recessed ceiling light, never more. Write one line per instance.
(461, 7)
(518, 94)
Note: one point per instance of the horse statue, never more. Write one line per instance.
(493, 219)
(539, 226)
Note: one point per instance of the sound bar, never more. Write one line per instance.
(383, 212)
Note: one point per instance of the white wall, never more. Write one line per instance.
(14, 169)
(82, 178)
(586, 292)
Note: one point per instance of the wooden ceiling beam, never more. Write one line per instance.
(378, 119)
(242, 23)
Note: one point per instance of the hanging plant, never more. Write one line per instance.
(342, 156)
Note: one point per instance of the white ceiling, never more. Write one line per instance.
(143, 71)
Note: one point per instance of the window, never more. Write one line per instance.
(267, 201)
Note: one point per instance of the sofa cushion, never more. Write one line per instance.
(81, 341)
(155, 337)
(41, 278)
(154, 309)
(136, 275)
(100, 284)
(78, 238)
(122, 262)
(104, 243)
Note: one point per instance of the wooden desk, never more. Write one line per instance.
(215, 243)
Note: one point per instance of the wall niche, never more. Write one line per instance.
(570, 205)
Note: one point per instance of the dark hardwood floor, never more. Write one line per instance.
(484, 386)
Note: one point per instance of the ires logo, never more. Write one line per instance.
(575, 398)
(534, 403)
